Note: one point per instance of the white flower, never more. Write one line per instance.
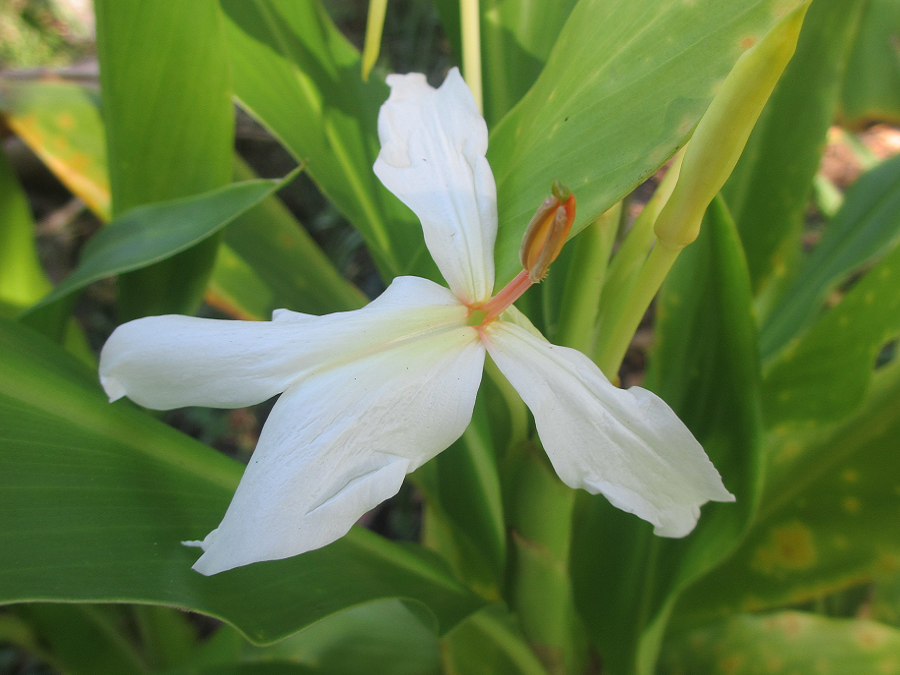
(368, 396)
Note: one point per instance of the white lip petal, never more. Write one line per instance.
(628, 445)
(433, 145)
(339, 442)
(165, 362)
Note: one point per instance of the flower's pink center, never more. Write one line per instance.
(543, 240)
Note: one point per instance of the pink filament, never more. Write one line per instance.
(506, 297)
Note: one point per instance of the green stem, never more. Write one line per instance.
(627, 263)
(540, 587)
(584, 283)
(374, 28)
(613, 348)
(471, 47)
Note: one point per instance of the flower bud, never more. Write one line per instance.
(547, 231)
(720, 136)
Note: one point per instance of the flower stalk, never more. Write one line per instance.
(711, 155)
(470, 23)
(585, 282)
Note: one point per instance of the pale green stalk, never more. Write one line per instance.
(615, 343)
(374, 28)
(714, 149)
(584, 283)
(626, 265)
(540, 587)
(470, 21)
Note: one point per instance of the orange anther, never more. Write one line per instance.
(547, 232)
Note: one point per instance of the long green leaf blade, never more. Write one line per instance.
(150, 234)
(769, 190)
(296, 73)
(96, 498)
(166, 87)
(22, 280)
(824, 374)
(622, 90)
(865, 228)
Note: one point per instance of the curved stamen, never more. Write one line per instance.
(544, 238)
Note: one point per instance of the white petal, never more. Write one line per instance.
(433, 145)
(340, 441)
(172, 361)
(628, 445)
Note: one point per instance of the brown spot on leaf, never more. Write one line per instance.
(748, 42)
(65, 121)
(731, 664)
(870, 637)
(789, 547)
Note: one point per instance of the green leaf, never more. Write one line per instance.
(516, 39)
(769, 189)
(296, 73)
(165, 81)
(150, 234)
(83, 639)
(885, 600)
(167, 636)
(22, 280)
(268, 261)
(96, 499)
(794, 643)
(871, 88)
(251, 668)
(825, 522)
(622, 90)
(60, 121)
(865, 228)
(464, 519)
(705, 366)
(825, 373)
(489, 642)
(381, 637)
(539, 589)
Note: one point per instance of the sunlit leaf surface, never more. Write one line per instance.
(60, 121)
(769, 190)
(795, 643)
(623, 88)
(822, 524)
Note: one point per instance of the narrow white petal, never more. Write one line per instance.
(340, 441)
(626, 444)
(172, 361)
(433, 145)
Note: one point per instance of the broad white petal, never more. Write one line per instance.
(627, 444)
(433, 145)
(172, 361)
(340, 441)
